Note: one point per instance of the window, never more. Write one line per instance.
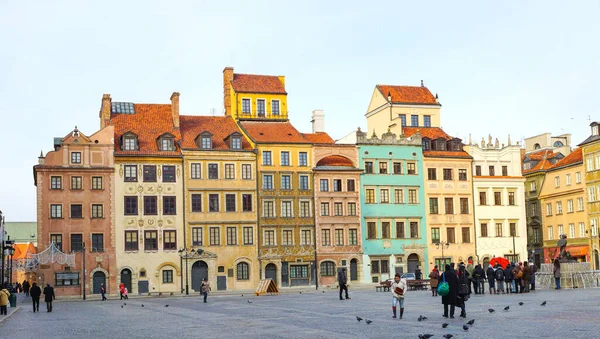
(482, 198)
(303, 183)
(236, 142)
(129, 143)
(505, 171)
(572, 230)
(167, 276)
(353, 237)
(55, 211)
(532, 186)
(350, 185)
(425, 144)
(285, 158)
(337, 185)
(267, 161)
(338, 209)
(497, 198)
(268, 209)
(229, 202)
(275, 107)
(305, 209)
(548, 209)
(306, 237)
(197, 236)
(464, 205)
(169, 205)
(435, 235)
(76, 183)
(568, 179)
(286, 183)
(383, 168)
(76, 157)
(589, 164)
(384, 196)
(513, 229)
(96, 183)
(351, 209)
(556, 181)
(536, 235)
(450, 235)
(97, 242)
(368, 167)
(324, 185)
(449, 205)
(267, 182)
(76, 211)
(462, 174)
(397, 167)
(582, 229)
(286, 209)
(260, 107)
(243, 271)
(560, 230)
(570, 208)
(196, 202)
(559, 207)
(131, 205)
(196, 171)
(400, 234)
(411, 168)
(492, 171)
(371, 230)
(269, 238)
(339, 237)
(214, 236)
(511, 198)
(213, 171)
(591, 194)
(412, 196)
(149, 174)
(325, 237)
(150, 240)
(414, 120)
(130, 173)
(246, 106)
(580, 204)
(427, 120)
(375, 267)
(385, 230)
(578, 177)
(327, 269)
(248, 235)
(246, 172)
(67, 279)
(398, 196)
(447, 174)
(466, 235)
(534, 209)
(57, 240)
(231, 236)
(370, 196)
(229, 171)
(433, 206)
(287, 238)
(56, 183)
(246, 202)
(206, 141)
(414, 229)
(431, 174)
(76, 242)
(484, 230)
(402, 119)
(97, 211)
(131, 240)
(150, 206)
(324, 209)
(478, 170)
(498, 229)
(594, 227)
(168, 173)
(302, 159)
(167, 144)
(213, 203)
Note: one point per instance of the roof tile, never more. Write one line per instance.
(426, 132)
(319, 138)
(219, 126)
(408, 94)
(252, 83)
(273, 132)
(574, 157)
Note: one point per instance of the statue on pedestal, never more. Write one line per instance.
(564, 255)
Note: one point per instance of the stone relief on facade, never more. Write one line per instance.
(278, 252)
(388, 138)
(121, 170)
(160, 223)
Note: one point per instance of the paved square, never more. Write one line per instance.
(568, 313)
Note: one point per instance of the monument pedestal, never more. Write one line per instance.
(573, 274)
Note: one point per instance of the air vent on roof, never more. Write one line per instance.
(290, 134)
(122, 108)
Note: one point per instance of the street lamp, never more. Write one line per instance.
(442, 245)
(185, 254)
(11, 252)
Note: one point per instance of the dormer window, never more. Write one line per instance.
(236, 142)
(456, 146)
(425, 145)
(441, 145)
(166, 142)
(129, 142)
(206, 142)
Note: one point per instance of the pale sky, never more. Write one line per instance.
(520, 67)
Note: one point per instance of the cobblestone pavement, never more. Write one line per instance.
(568, 313)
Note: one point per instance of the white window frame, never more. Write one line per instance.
(550, 233)
(568, 179)
(557, 181)
(578, 177)
(291, 209)
(580, 204)
(265, 101)
(242, 108)
(278, 107)
(192, 170)
(264, 208)
(570, 206)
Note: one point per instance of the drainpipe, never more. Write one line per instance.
(474, 217)
(185, 226)
(258, 211)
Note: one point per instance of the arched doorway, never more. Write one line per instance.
(271, 272)
(413, 263)
(99, 280)
(596, 260)
(353, 269)
(199, 272)
(126, 279)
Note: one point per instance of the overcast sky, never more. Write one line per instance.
(520, 68)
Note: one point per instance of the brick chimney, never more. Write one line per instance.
(105, 110)
(318, 121)
(175, 108)
(227, 79)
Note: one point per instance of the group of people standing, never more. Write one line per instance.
(458, 288)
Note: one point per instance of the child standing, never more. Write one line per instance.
(125, 293)
(398, 288)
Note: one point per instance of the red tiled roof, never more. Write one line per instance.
(335, 160)
(447, 154)
(220, 127)
(408, 94)
(251, 83)
(542, 157)
(273, 132)
(573, 158)
(318, 138)
(149, 122)
(426, 132)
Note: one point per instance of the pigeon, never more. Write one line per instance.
(520, 303)
(491, 310)
(543, 304)
(125, 304)
(300, 292)
(471, 322)
(421, 318)
(323, 291)
(121, 306)
(448, 336)
(249, 302)
(368, 321)
(465, 327)
(444, 325)
(242, 295)
(142, 305)
(359, 319)
(506, 308)
(166, 305)
(425, 336)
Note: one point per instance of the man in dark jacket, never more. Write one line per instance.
(478, 279)
(533, 269)
(508, 279)
(343, 280)
(491, 281)
(26, 287)
(449, 276)
(49, 296)
(35, 292)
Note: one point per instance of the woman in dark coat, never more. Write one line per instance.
(450, 277)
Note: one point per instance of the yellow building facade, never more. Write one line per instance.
(591, 158)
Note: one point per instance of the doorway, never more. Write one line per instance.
(596, 260)
(126, 279)
(99, 280)
(199, 272)
(271, 272)
(353, 270)
(413, 263)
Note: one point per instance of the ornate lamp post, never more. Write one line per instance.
(185, 254)
(442, 245)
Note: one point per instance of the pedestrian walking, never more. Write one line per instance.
(49, 297)
(343, 282)
(533, 269)
(499, 275)
(478, 279)
(4, 294)
(35, 293)
(470, 269)
(205, 288)
(450, 299)
(526, 276)
(125, 293)
(463, 290)
(26, 288)
(122, 290)
(398, 288)
(508, 278)
(556, 272)
(103, 292)
(434, 277)
(490, 277)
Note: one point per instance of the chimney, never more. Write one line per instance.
(282, 79)
(175, 108)
(227, 79)
(318, 121)
(105, 110)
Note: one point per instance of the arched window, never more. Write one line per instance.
(558, 144)
(243, 272)
(327, 269)
(537, 146)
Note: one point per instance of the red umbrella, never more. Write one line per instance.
(499, 260)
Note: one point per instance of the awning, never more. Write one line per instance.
(578, 251)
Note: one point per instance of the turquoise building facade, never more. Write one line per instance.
(394, 238)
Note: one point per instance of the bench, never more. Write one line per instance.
(417, 284)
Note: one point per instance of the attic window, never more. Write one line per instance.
(206, 141)
(456, 146)
(167, 144)
(537, 146)
(236, 142)
(527, 166)
(558, 144)
(425, 145)
(129, 142)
